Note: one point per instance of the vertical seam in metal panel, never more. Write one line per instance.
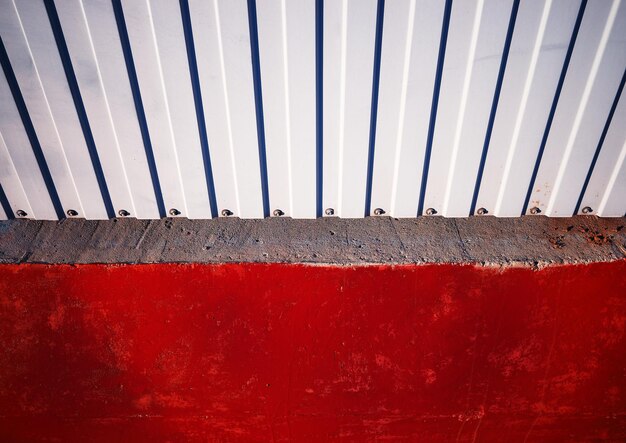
(258, 96)
(4, 201)
(596, 154)
(378, 43)
(319, 105)
(30, 131)
(555, 101)
(494, 103)
(79, 105)
(141, 116)
(435, 101)
(197, 96)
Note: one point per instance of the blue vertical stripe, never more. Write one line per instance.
(197, 96)
(30, 131)
(78, 103)
(494, 104)
(319, 105)
(378, 46)
(555, 101)
(435, 103)
(141, 116)
(258, 95)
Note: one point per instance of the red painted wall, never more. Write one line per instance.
(257, 352)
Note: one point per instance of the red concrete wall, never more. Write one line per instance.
(257, 352)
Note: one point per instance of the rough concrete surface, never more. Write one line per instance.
(528, 241)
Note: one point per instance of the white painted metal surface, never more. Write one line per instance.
(475, 44)
(349, 39)
(27, 36)
(306, 108)
(14, 186)
(94, 47)
(596, 70)
(222, 39)
(410, 49)
(608, 180)
(158, 45)
(17, 154)
(287, 54)
(538, 50)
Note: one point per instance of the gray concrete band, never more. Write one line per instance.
(533, 241)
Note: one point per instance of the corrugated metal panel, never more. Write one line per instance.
(221, 33)
(408, 71)
(287, 56)
(588, 92)
(306, 108)
(534, 66)
(476, 41)
(96, 54)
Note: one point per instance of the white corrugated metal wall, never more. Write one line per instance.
(308, 108)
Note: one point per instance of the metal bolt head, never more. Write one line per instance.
(329, 211)
(379, 211)
(21, 213)
(535, 210)
(482, 211)
(587, 210)
(431, 211)
(71, 213)
(174, 212)
(227, 212)
(123, 213)
(278, 213)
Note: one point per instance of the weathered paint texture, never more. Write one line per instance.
(271, 352)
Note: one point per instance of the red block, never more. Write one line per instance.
(278, 352)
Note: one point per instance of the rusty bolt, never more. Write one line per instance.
(379, 211)
(174, 212)
(71, 213)
(21, 213)
(431, 211)
(482, 211)
(329, 211)
(587, 210)
(535, 210)
(123, 213)
(227, 212)
(278, 213)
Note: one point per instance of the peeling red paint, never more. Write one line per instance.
(257, 352)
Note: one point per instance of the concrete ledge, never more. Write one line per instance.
(527, 241)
